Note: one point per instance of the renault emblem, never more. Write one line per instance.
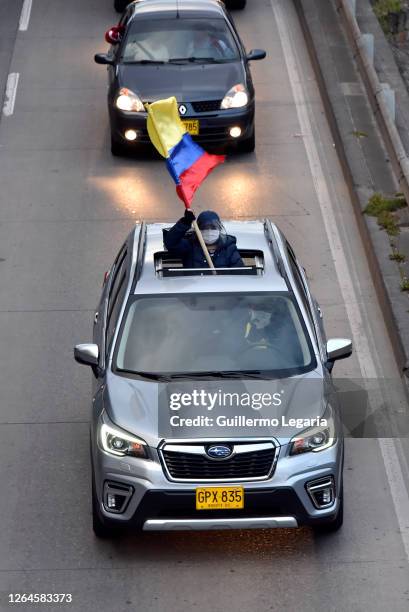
(182, 109)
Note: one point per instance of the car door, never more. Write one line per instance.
(105, 307)
(116, 298)
(310, 303)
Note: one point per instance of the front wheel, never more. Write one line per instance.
(100, 529)
(118, 149)
(120, 5)
(335, 524)
(248, 145)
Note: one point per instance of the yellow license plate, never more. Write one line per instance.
(192, 126)
(219, 498)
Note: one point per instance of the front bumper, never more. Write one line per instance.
(213, 127)
(158, 504)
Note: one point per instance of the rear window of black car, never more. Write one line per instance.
(178, 40)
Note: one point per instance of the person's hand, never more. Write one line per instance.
(188, 217)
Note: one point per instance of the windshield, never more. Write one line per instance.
(179, 40)
(198, 334)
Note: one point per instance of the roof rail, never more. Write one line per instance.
(273, 244)
(140, 254)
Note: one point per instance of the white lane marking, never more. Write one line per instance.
(25, 15)
(397, 487)
(331, 227)
(11, 91)
(390, 457)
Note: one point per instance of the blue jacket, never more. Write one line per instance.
(188, 248)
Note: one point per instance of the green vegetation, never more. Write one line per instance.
(404, 284)
(383, 8)
(359, 134)
(399, 257)
(383, 208)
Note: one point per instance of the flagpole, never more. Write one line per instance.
(197, 231)
(203, 244)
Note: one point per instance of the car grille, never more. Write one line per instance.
(206, 106)
(256, 464)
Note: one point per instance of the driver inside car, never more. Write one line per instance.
(208, 45)
(269, 324)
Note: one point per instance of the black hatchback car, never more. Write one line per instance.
(120, 5)
(192, 51)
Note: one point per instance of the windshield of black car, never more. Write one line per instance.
(179, 40)
(187, 334)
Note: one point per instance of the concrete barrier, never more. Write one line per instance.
(381, 99)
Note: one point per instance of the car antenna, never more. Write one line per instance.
(177, 9)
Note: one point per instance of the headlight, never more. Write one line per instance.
(315, 439)
(236, 97)
(127, 100)
(120, 443)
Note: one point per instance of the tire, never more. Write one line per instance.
(248, 145)
(335, 524)
(118, 149)
(236, 4)
(100, 529)
(120, 5)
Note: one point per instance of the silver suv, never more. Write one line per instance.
(213, 402)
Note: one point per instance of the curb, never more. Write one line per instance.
(394, 304)
(377, 96)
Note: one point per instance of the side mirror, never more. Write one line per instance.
(256, 54)
(103, 58)
(113, 36)
(338, 348)
(86, 354)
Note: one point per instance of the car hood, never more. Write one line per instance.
(192, 82)
(142, 407)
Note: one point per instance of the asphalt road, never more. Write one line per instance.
(66, 206)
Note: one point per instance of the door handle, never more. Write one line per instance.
(96, 318)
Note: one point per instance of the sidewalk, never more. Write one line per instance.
(365, 161)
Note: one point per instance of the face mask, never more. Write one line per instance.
(210, 236)
(260, 319)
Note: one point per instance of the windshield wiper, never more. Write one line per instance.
(209, 60)
(145, 61)
(147, 375)
(226, 374)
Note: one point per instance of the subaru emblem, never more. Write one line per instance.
(182, 109)
(219, 451)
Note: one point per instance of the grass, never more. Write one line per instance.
(359, 134)
(404, 284)
(382, 8)
(399, 257)
(383, 208)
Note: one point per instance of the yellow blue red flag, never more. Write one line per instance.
(187, 162)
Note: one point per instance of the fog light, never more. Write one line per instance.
(131, 135)
(111, 501)
(326, 496)
(116, 496)
(235, 131)
(322, 492)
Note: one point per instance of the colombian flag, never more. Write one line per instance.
(187, 162)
